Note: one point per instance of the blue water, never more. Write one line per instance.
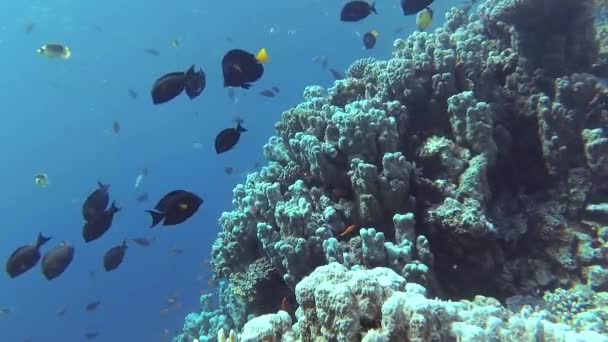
(57, 118)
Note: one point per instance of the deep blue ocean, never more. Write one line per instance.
(57, 119)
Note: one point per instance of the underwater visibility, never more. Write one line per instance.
(341, 171)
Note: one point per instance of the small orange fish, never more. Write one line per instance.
(348, 230)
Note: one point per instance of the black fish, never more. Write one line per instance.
(226, 139)
(114, 256)
(132, 93)
(142, 241)
(142, 197)
(267, 93)
(25, 257)
(241, 68)
(410, 7)
(61, 311)
(336, 74)
(91, 335)
(152, 52)
(357, 10)
(195, 82)
(29, 28)
(232, 95)
(175, 207)
(92, 306)
(172, 84)
(276, 89)
(57, 260)
(99, 225)
(96, 202)
(168, 87)
(369, 39)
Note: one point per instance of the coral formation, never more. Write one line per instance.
(472, 164)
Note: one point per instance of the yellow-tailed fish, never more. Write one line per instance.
(262, 56)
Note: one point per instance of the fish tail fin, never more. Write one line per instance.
(114, 208)
(156, 217)
(103, 186)
(372, 7)
(240, 128)
(41, 240)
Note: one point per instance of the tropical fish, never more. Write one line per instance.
(369, 39)
(53, 50)
(29, 28)
(357, 10)
(143, 241)
(424, 19)
(267, 93)
(25, 257)
(96, 202)
(91, 335)
(348, 230)
(336, 74)
(116, 127)
(92, 306)
(240, 68)
(57, 260)
(114, 257)
(42, 180)
(227, 138)
(61, 311)
(99, 224)
(152, 52)
(142, 197)
(170, 85)
(175, 207)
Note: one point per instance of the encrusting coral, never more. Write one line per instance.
(472, 164)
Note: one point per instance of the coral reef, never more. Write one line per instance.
(472, 164)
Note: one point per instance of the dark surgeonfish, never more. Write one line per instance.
(25, 257)
(99, 225)
(241, 68)
(195, 82)
(143, 241)
(175, 207)
(114, 256)
(91, 335)
(96, 202)
(411, 7)
(357, 10)
(369, 39)
(57, 260)
(92, 306)
(172, 84)
(227, 138)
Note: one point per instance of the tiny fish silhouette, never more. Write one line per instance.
(116, 127)
(132, 93)
(152, 52)
(336, 74)
(92, 306)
